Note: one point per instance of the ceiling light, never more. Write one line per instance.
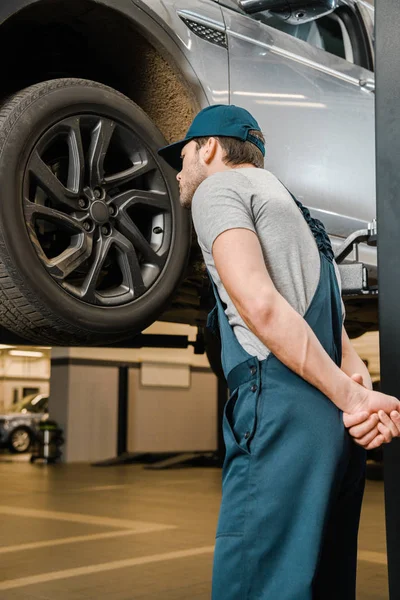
(26, 353)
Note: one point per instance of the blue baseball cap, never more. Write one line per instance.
(225, 120)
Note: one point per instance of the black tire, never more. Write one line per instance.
(33, 303)
(21, 434)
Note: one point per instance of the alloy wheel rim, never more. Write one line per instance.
(97, 210)
(21, 440)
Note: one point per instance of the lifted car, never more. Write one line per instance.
(94, 245)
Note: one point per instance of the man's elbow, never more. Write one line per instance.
(258, 311)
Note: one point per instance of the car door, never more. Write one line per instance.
(306, 87)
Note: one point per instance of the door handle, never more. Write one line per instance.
(367, 84)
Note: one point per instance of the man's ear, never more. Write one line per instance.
(210, 150)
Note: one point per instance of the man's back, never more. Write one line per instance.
(254, 199)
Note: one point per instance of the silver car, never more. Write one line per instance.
(94, 246)
(18, 429)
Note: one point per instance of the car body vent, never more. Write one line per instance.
(206, 32)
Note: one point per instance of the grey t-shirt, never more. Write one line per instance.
(254, 199)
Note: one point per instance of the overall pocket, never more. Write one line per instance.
(240, 417)
(239, 427)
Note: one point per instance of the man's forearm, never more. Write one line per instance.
(352, 363)
(293, 342)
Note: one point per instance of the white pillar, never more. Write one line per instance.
(84, 402)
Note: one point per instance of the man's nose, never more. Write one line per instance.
(178, 177)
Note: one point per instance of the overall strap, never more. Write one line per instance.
(327, 295)
(317, 228)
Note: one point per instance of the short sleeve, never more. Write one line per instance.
(221, 202)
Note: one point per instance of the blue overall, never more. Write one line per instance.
(292, 479)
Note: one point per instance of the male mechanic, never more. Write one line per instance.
(297, 423)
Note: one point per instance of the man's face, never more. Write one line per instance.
(193, 173)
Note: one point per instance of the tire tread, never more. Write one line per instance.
(22, 310)
(18, 312)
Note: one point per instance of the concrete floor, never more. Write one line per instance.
(78, 532)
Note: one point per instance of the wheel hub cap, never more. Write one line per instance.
(21, 440)
(99, 212)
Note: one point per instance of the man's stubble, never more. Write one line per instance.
(191, 180)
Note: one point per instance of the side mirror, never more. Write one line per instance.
(293, 12)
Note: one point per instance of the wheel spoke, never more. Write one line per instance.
(33, 211)
(69, 260)
(137, 169)
(130, 264)
(56, 191)
(128, 228)
(76, 165)
(99, 144)
(88, 290)
(159, 200)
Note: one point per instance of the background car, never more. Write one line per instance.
(19, 429)
(94, 245)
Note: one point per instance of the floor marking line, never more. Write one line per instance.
(101, 568)
(139, 526)
(72, 540)
(179, 482)
(101, 488)
(374, 557)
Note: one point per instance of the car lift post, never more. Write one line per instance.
(387, 27)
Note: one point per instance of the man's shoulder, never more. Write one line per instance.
(240, 180)
(240, 173)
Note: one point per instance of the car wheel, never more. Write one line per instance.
(20, 440)
(93, 240)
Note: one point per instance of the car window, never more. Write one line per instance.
(327, 33)
(35, 404)
(42, 405)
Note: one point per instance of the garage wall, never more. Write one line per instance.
(18, 372)
(367, 346)
(8, 386)
(173, 419)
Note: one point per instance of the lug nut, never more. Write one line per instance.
(87, 226)
(82, 203)
(105, 230)
(158, 230)
(112, 210)
(97, 192)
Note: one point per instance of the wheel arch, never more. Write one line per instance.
(122, 48)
